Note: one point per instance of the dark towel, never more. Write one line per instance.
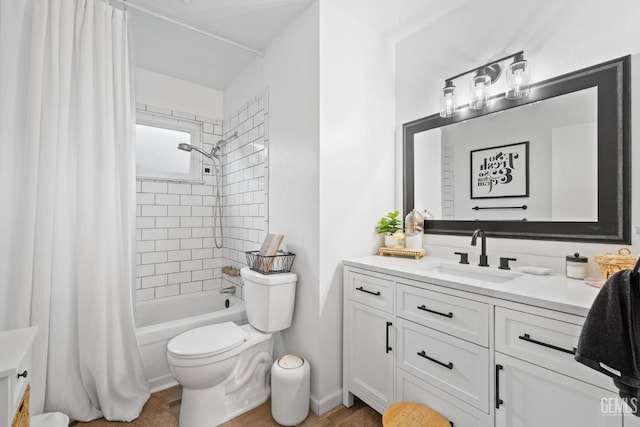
(611, 335)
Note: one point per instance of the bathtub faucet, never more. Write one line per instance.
(228, 290)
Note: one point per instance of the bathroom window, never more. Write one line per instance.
(156, 145)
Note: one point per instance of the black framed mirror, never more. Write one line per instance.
(576, 131)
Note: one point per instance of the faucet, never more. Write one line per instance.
(483, 247)
(228, 290)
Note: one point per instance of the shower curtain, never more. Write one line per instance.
(67, 189)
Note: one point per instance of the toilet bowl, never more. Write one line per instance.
(224, 368)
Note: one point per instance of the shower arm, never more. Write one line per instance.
(204, 153)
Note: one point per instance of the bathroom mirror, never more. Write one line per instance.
(566, 150)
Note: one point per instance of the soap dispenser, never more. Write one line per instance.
(414, 228)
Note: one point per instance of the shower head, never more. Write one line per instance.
(214, 151)
(188, 147)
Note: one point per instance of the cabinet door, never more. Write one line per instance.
(371, 349)
(531, 396)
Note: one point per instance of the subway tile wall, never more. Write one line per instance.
(245, 173)
(175, 253)
(448, 192)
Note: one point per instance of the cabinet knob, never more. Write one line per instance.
(23, 374)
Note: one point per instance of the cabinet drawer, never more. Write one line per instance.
(411, 389)
(372, 291)
(460, 317)
(547, 342)
(453, 365)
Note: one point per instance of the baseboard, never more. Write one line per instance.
(324, 405)
(162, 383)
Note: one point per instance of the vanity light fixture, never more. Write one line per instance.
(448, 102)
(517, 74)
(517, 78)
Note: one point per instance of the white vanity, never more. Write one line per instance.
(485, 347)
(15, 376)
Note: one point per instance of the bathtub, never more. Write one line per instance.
(157, 321)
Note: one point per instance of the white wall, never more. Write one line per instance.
(175, 253)
(557, 37)
(290, 70)
(331, 153)
(167, 92)
(245, 187)
(356, 162)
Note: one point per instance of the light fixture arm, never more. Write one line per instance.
(485, 65)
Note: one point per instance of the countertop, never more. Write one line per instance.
(14, 344)
(553, 291)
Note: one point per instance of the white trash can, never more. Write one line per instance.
(290, 385)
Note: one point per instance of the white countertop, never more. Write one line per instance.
(553, 291)
(14, 345)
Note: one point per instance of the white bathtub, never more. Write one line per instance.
(157, 321)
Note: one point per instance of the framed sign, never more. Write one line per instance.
(501, 171)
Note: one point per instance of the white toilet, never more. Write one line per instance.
(224, 368)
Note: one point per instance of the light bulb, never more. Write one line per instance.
(480, 84)
(517, 78)
(448, 103)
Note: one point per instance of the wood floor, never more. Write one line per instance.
(261, 416)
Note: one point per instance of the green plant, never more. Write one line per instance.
(389, 223)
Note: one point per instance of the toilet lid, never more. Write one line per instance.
(207, 340)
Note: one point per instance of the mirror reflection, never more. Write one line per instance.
(536, 162)
(553, 165)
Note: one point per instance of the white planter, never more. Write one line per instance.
(389, 240)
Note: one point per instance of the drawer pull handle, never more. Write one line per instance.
(528, 338)
(361, 289)
(423, 308)
(498, 400)
(446, 365)
(388, 349)
(24, 374)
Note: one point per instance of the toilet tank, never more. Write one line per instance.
(269, 299)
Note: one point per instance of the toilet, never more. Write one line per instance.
(224, 368)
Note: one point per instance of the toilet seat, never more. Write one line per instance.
(206, 341)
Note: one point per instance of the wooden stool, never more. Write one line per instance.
(411, 414)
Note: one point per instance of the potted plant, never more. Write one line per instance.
(391, 226)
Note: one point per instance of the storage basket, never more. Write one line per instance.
(279, 263)
(612, 263)
(21, 419)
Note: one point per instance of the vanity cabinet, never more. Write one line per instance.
(531, 396)
(369, 340)
(479, 360)
(15, 376)
(538, 382)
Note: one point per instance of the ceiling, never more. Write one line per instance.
(167, 48)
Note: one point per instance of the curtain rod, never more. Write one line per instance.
(162, 17)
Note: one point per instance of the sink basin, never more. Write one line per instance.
(483, 274)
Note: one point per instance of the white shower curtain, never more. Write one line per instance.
(67, 189)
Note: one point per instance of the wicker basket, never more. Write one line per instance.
(21, 418)
(612, 263)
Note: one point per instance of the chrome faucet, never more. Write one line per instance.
(228, 290)
(483, 247)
